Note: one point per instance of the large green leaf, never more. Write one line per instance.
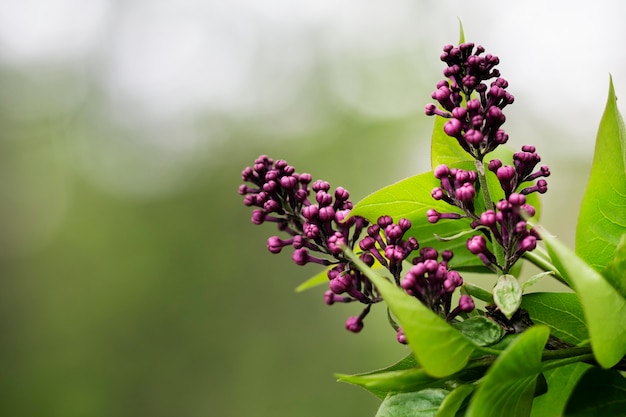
(455, 401)
(411, 199)
(414, 404)
(602, 219)
(562, 312)
(603, 307)
(615, 272)
(561, 383)
(508, 387)
(438, 347)
(598, 393)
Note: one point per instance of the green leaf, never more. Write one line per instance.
(603, 307)
(561, 383)
(461, 33)
(438, 347)
(508, 387)
(615, 271)
(455, 401)
(415, 404)
(445, 149)
(411, 199)
(507, 294)
(602, 219)
(380, 384)
(562, 312)
(316, 280)
(480, 330)
(598, 393)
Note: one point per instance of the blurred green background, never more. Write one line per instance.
(132, 282)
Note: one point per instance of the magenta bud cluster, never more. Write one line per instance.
(432, 282)
(474, 109)
(523, 170)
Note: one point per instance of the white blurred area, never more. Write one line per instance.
(170, 77)
(165, 62)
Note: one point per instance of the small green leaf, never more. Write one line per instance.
(445, 150)
(598, 393)
(438, 347)
(615, 272)
(508, 387)
(317, 279)
(534, 279)
(477, 292)
(455, 401)
(562, 312)
(414, 404)
(405, 380)
(507, 294)
(604, 308)
(480, 330)
(602, 219)
(461, 33)
(561, 383)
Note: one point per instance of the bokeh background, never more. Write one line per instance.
(132, 282)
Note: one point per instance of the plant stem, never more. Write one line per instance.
(482, 180)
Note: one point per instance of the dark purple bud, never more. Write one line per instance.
(477, 244)
(400, 337)
(305, 178)
(340, 284)
(367, 259)
(528, 209)
(430, 109)
(501, 137)
(300, 256)
(331, 298)
(466, 193)
(249, 200)
(466, 303)
(367, 243)
(528, 243)
(341, 194)
(336, 243)
(354, 324)
(432, 215)
(441, 171)
(453, 128)
(494, 164)
(320, 185)
(275, 244)
(429, 253)
(258, 216)
(517, 199)
(446, 255)
(384, 221)
(405, 224)
(473, 137)
(488, 218)
(270, 186)
(271, 206)
(288, 182)
(452, 281)
(323, 198)
(327, 213)
(310, 212)
(394, 232)
(311, 230)
(395, 253)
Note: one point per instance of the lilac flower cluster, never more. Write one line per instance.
(474, 109)
(476, 124)
(318, 229)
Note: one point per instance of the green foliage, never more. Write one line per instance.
(469, 367)
(602, 220)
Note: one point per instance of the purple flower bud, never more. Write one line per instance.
(517, 199)
(405, 224)
(433, 216)
(494, 164)
(394, 232)
(258, 216)
(300, 256)
(473, 137)
(367, 243)
(453, 128)
(275, 244)
(400, 337)
(488, 218)
(430, 109)
(441, 171)
(310, 212)
(323, 198)
(384, 221)
(288, 182)
(340, 284)
(327, 213)
(305, 178)
(477, 244)
(446, 255)
(528, 243)
(466, 193)
(341, 194)
(320, 185)
(271, 206)
(311, 230)
(354, 324)
(466, 303)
